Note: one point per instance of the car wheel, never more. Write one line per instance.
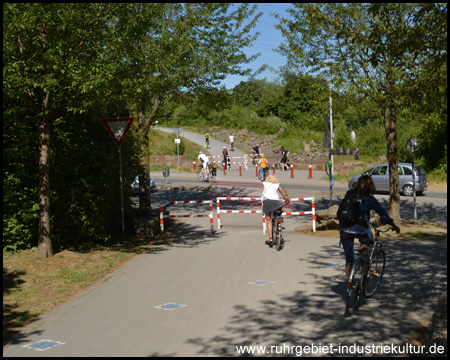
(408, 190)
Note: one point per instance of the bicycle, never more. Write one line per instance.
(367, 271)
(210, 175)
(277, 228)
(226, 164)
(255, 159)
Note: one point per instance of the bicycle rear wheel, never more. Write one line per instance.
(200, 176)
(278, 238)
(375, 273)
(354, 288)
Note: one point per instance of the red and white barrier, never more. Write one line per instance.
(210, 215)
(219, 210)
(245, 160)
(312, 212)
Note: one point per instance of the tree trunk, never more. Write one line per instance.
(45, 249)
(390, 124)
(143, 129)
(144, 176)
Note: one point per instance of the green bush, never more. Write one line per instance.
(20, 214)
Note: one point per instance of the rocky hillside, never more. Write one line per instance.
(312, 154)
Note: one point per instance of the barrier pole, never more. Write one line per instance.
(161, 219)
(313, 215)
(292, 171)
(218, 212)
(240, 170)
(211, 217)
(264, 223)
(193, 165)
(310, 171)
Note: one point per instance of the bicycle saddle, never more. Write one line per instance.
(278, 212)
(366, 240)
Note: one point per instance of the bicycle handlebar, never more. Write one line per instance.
(378, 231)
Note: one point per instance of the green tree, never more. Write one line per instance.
(372, 50)
(54, 61)
(261, 95)
(169, 48)
(305, 99)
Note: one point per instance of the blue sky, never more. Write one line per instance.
(269, 39)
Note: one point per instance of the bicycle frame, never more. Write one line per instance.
(365, 272)
(209, 176)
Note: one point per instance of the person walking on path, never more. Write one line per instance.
(284, 156)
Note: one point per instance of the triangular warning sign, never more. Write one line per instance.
(118, 128)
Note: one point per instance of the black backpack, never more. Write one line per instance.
(350, 209)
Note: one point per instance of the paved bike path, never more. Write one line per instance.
(233, 291)
(229, 289)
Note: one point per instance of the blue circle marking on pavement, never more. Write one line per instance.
(44, 345)
(261, 282)
(333, 265)
(169, 306)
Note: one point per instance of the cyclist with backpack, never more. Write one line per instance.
(354, 214)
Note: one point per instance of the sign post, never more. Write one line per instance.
(177, 141)
(118, 129)
(329, 164)
(166, 173)
(412, 144)
(178, 131)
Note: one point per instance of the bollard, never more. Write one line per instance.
(193, 164)
(273, 172)
(256, 168)
(240, 170)
(310, 171)
(292, 171)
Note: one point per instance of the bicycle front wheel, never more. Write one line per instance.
(212, 178)
(354, 288)
(375, 273)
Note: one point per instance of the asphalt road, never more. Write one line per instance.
(201, 294)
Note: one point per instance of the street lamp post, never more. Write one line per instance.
(412, 145)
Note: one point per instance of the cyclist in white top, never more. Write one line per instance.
(205, 161)
(271, 200)
(231, 138)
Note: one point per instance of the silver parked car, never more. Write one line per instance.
(380, 177)
(135, 184)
